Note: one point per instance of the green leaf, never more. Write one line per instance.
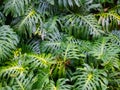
(8, 41)
(28, 23)
(89, 78)
(82, 26)
(15, 7)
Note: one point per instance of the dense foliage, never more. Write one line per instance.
(59, 44)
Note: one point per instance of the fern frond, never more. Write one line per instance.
(115, 37)
(50, 85)
(28, 22)
(105, 51)
(53, 43)
(30, 46)
(74, 3)
(23, 82)
(61, 84)
(12, 70)
(115, 8)
(47, 7)
(70, 52)
(15, 7)
(82, 25)
(88, 78)
(42, 79)
(114, 80)
(8, 41)
(41, 60)
(52, 24)
(83, 45)
(109, 20)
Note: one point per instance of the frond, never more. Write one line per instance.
(41, 60)
(82, 26)
(12, 70)
(61, 84)
(15, 7)
(8, 41)
(70, 51)
(53, 43)
(115, 37)
(27, 25)
(42, 79)
(30, 46)
(19, 64)
(78, 6)
(50, 85)
(105, 51)
(57, 44)
(109, 21)
(21, 69)
(69, 3)
(52, 24)
(47, 7)
(24, 82)
(73, 3)
(114, 80)
(84, 46)
(115, 8)
(88, 78)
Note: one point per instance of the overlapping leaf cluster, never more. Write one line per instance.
(59, 45)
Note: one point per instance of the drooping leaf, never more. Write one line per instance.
(8, 41)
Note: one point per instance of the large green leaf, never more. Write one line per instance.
(88, 78)
(82, 26)
(16, 7)
(106, 51)
(28, 23)
(109, 20)
(8, 41)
